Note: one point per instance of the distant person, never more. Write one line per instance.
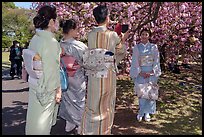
(25, 75)
(173, 65)
(16, 60)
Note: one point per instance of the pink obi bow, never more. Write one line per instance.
(70, 64)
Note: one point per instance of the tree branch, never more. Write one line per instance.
(152, 17)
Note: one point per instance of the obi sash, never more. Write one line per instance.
(146, 60)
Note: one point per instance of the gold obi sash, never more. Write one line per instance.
(146, 60)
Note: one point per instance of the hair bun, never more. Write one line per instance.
(44, 15)
(36, 21)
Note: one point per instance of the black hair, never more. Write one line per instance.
(44, 15)
(15, 42)
(67, 25)
(100, 13)
(26, 45)
(146, 30)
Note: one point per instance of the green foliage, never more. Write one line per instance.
(59, 35)
(179, 112)
(6, 41)
(16, 25)
(8, 5)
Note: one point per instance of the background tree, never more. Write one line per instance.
(6, 5)
(175, 26)
(16, 24)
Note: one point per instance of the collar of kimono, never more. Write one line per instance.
(103, 27)
(70, 40)
(144, 44)
(73, 42)
(45, 33)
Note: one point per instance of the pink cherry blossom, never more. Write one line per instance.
(175, 24)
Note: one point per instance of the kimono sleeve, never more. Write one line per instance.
(135, 68)
(67, 50)
(156, 65)
(51, 66)
(80, 52)
(120, 49)
(49, 52)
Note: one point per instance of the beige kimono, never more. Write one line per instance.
(42, 107)
(101, 92)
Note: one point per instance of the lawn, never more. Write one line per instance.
(5, 56)
(179, 108)
(5, 61)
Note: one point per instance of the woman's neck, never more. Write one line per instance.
(102, 24)
(48, 29)
(66, 37)
(145, 42)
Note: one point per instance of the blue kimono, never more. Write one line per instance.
(145, 58)
(73, 101)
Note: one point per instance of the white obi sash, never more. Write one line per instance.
(146, 60)
(34, 68)
(97, 62)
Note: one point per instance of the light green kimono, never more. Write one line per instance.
(42, 107)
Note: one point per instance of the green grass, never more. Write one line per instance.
(179, 108)
(5, 61)
(5, 56)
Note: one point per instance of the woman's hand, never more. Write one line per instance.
(58, 95)
(62, 52)
(144, 75)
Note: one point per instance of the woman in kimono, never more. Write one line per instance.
(101, 92)
(45, 95)
(145, 68)
(73, 100)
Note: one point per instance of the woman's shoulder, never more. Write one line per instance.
(136, 45)
(37, 41)
(153, 45)
(53, 42)
(73, 44)
(43, 40)
(79, 43)
(112, 32)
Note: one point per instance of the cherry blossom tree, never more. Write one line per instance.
(175, 26)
